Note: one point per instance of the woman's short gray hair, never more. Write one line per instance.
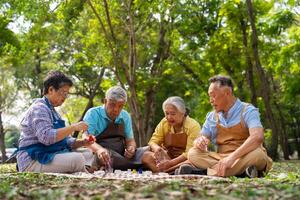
(116, 93)
(175, 101)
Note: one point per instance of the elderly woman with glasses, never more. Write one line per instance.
(45, 144)
(173, 137)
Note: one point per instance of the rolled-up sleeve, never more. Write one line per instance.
(209, 126)
(43, 125)
(128, 126)
(70, 141)
(252, 118)
(91, 119)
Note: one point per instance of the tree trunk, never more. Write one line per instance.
(38, 71)
(2, 139)
(283, 134)
(281, 124)
(249, 70)
(273, 151)
(163, 52)
(131, 79)
(297, 136)
(137, 117)
(91, 97)
(119, 65)
(149, 114)
(140, 123)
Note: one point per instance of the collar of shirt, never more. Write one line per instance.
(232, 113)
(56, 115)
(184, 127)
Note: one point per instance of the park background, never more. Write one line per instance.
(154, 49)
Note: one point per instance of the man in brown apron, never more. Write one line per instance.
(236, 129)
(111, 125)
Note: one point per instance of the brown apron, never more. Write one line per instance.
(231, 138)
(175, 143)
(113, 137)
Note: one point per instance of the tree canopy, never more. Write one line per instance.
(156, 49)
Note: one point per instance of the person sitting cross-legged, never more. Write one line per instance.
(235, 128)
(45, 143)
(112, 127)
(172, 139)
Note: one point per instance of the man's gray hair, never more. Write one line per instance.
(116, 93)
(175, 101)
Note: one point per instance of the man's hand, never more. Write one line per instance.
(223, 165)
(129, 152)
(103, 155)
(80, 126)
(201, 143)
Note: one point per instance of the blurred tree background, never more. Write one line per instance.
(155, 49)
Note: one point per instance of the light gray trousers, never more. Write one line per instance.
(70, 162)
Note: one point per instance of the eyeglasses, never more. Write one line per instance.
(63, 93)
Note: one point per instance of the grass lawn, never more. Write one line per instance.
(283, 182)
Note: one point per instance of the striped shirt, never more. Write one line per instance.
(37, 127)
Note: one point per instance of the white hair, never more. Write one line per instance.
(175, 101)
(116, 93)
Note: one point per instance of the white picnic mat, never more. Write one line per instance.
(144, 176)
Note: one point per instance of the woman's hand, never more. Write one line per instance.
(80, 126)
(89, 140)
(164, 165)
(161, 155)
(82, 143)
(158, 150)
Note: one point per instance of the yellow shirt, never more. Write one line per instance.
(190, 127)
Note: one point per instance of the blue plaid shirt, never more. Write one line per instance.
(37, 127)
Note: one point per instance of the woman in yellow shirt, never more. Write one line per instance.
(173, 137)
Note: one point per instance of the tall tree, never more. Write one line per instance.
(127, 60)
(8, 95)
(266, 94)
(8, 92)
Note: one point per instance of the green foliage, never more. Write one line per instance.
(11, 136)
(71, 112)
(72, 11)
(7, 37)
(268, 137)
(8, 91)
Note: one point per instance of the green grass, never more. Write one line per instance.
(283, 182)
